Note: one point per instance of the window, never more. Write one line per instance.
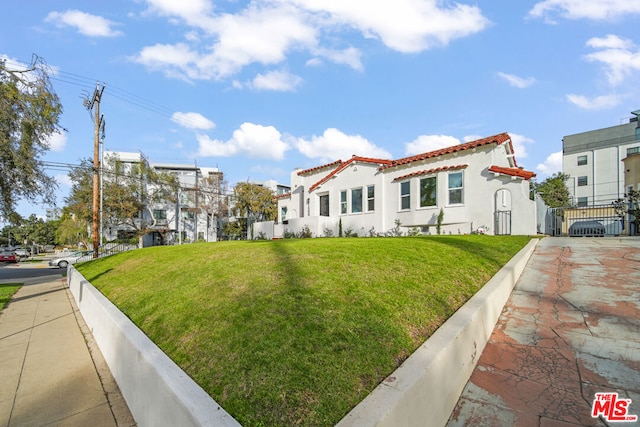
(455, 188)
(160, 214)
(371, 198)
(633, 150)
(356, 200)
(343, 202)
(324, 205)
(405, 195)
(188, 215)
(428, 191)
(582, 160)
(583, 202)
(283, 213)
(582, 181)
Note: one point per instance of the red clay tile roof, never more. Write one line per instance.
(496, 139)
(343, 165)
(317, 168)
(520, 173)
(430, 171)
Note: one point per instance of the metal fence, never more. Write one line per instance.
(592, 221)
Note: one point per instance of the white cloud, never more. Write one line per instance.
(334, 145)
(580, 9)
(250, 139)
(177, 61)
(262, 34)
(518, 142)
(426, 143)
(551, 165)
(596, 103)
(267, 32)
(57, 141)
(186, 9)
(424, 23)
(192, 121)
(63, 180)
(280, 81)
(85, 23)
(350, 56)
(620, 57)
(516, 81)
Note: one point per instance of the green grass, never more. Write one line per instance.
(6, 292)
(297, 332)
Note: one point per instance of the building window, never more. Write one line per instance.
(324, 205)
(582, 160)
(283, 213)
(583, 202)
(343, 202)
(356, 200)
(428, 192)
(405, 195)
(582, 181)
(371, 198)
(456, 195)
(633, 150)
(160, 215)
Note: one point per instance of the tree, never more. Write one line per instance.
(553, 190)
(213, 201)
(29, 113)
(127, 191)
(630, 204)
(72, 231)
(255, 202)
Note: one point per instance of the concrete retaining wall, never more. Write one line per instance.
(157, 391)
(424, 390)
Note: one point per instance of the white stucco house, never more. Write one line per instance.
(477, 185)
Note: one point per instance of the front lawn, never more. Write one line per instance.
(297, 332)
(6, 292)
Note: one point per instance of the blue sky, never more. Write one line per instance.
(258, 88)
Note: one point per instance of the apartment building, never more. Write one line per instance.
(594, 160)
(191, 214)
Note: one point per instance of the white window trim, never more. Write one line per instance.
(351, 212)
(346, 203)
(456, 188)
(420, 190)
(366, 198)
(400, 208)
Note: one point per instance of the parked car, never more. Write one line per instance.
(586, 229)
(9, 256)
(70, 258)
(22, 253)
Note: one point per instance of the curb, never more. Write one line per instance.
(422, 391)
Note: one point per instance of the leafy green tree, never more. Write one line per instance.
(29, 114)
(630, 204)
(72, 231)
(554, 191)
(255, 202)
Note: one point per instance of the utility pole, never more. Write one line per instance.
(98, 122)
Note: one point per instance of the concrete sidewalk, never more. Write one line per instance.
(571, 328)
(51, 372)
